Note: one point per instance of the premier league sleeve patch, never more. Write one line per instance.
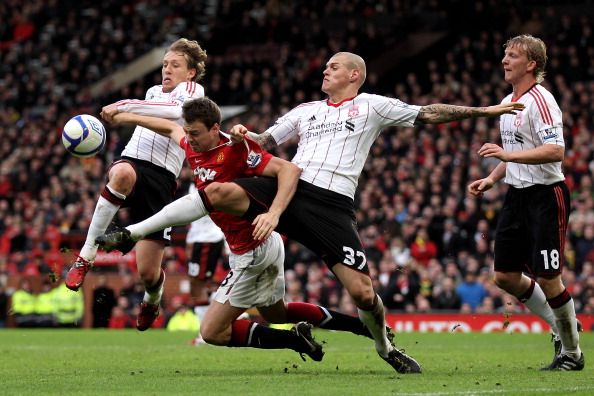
(253, 159)
(549, 135)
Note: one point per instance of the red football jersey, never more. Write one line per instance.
(224, 164)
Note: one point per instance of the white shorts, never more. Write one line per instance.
(257, 277)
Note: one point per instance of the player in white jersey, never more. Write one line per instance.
(532, 225)
(205, 245)
(335, 137)
(144, 178)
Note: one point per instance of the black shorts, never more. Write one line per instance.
(154, 188)
(204, 259)
(531, 230)
(320, 219)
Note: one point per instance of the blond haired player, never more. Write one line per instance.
(144, 179)
(532, 225)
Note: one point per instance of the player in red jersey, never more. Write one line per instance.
(257, 275)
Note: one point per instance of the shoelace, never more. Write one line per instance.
(81, 262)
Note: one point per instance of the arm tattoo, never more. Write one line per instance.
(439, 113)
(265, 140)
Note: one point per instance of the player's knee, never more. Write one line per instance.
(216, 193)
(366, 298)
(363, 294)
(122, 178)
(504, 281)
(551, 285)
(210, 335)
(358, 285)
(149, 276)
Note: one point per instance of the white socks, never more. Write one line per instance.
(537, 303)
(104, 213)
(567, 324)
(153, 294)
(179, 212)
(376, 323)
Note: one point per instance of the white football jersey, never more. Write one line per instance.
(335, 139)
(203, 229)
(539, 123)
(150, 146)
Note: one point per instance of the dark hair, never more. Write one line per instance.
(202, 109)
(193, 53)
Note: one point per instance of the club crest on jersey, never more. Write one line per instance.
(518, 120)
(221, 157)
(354, 111)
(253, 159)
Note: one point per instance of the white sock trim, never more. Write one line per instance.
(114, 192)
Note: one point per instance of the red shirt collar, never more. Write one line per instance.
(339, 103)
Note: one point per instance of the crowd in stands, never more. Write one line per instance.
(429, 244)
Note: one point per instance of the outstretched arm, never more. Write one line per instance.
(265, 139)
(440, 113)
(169, 110)
(288, 176)
(159, 125)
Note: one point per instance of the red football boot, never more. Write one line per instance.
(147, 315)
(76, 274)
(149, 312)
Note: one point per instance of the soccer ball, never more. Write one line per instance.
(83, 136)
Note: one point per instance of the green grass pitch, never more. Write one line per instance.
(156, 362)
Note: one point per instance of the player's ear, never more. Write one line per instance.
(216, 127)
(531, 66)
(354, 75)
(191, 74)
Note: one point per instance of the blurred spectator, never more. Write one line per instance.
(119, 319)
(401, 290)
(184, 319)
(487, 306)
(45, 306)
(400, 252)
(132, 290)
(103, 302)
(23, 305)
(3, 305)
(470, 291)
(423, 249)
(69, 306)
(446, 296)
(451, 242)
(584, 245)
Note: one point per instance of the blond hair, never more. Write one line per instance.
(536, 51)
(194, 54)
(354, 62)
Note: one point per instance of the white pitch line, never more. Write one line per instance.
(495, 391)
